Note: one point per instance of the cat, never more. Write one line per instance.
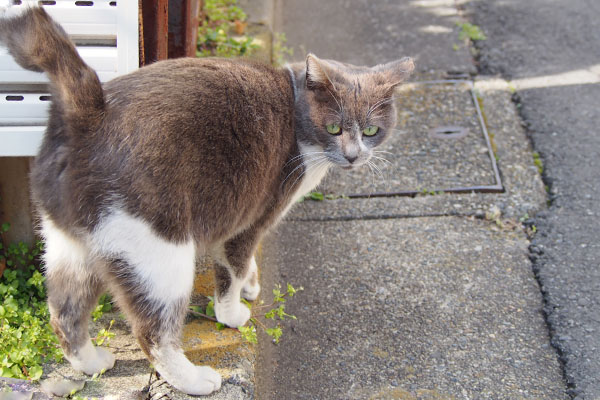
(137, 178)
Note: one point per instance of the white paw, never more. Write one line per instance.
(92, 360)
(232, 314)
(200, 381)
(250, 292)
(175, 368)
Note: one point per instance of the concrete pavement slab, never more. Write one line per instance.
(409, 308)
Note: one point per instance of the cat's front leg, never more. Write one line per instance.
(236, 275)
(228, 308)
(251, 288)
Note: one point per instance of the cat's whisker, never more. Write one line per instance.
(378, 169)
(382, 159)
(307, 164)
(379, 104)
(339, 103)
(294, 170)
(319, 161)
(301, 156)
(372, 174)
(334, 112)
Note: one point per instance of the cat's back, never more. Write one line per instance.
(179, 85)
(176, 135)
(197, 102)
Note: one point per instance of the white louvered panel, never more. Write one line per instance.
(102, 59)
(81, 20)
(17, 141)
(24, 109)
(114, 24)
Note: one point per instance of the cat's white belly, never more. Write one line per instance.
(166, 269)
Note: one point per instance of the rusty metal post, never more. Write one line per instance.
(183, 27)
(155, 26)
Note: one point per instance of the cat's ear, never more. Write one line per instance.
(317, 73)
(396, 72)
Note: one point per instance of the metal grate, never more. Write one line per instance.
(441, 144)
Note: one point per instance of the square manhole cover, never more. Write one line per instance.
(440, 144)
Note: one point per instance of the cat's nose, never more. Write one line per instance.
(351, 158)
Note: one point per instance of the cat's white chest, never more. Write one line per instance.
(312, 176)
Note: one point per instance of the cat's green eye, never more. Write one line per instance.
(334, 129)
(370, 130)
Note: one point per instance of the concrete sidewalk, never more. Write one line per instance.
(411, 298)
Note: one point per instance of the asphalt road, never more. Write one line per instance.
(551, 51)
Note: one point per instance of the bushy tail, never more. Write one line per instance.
(39, 44)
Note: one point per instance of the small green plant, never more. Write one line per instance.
(275, 312)
(221, 30)
(316, 196)
(470, 31)
(26, 339)
(430, 192)
(104, 305)
(319, 196)
(105, 335)
(538, 162)
(280, 51)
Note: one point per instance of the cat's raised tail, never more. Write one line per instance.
(39, 44)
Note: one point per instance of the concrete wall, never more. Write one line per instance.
(15, 203)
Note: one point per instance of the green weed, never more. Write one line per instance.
(104, 305)
(537, 161)
(221, 30)
(274, 311)
(26, 338)
(470, 31)
(281, 52)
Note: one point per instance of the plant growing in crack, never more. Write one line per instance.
(274, 311)
(470, 31)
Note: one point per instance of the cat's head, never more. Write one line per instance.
(349, 110)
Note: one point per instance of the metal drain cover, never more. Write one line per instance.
(441, 144)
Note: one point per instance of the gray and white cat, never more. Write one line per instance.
(136, 179)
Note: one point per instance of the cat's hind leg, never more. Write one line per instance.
(73, 290)
(152, 280)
